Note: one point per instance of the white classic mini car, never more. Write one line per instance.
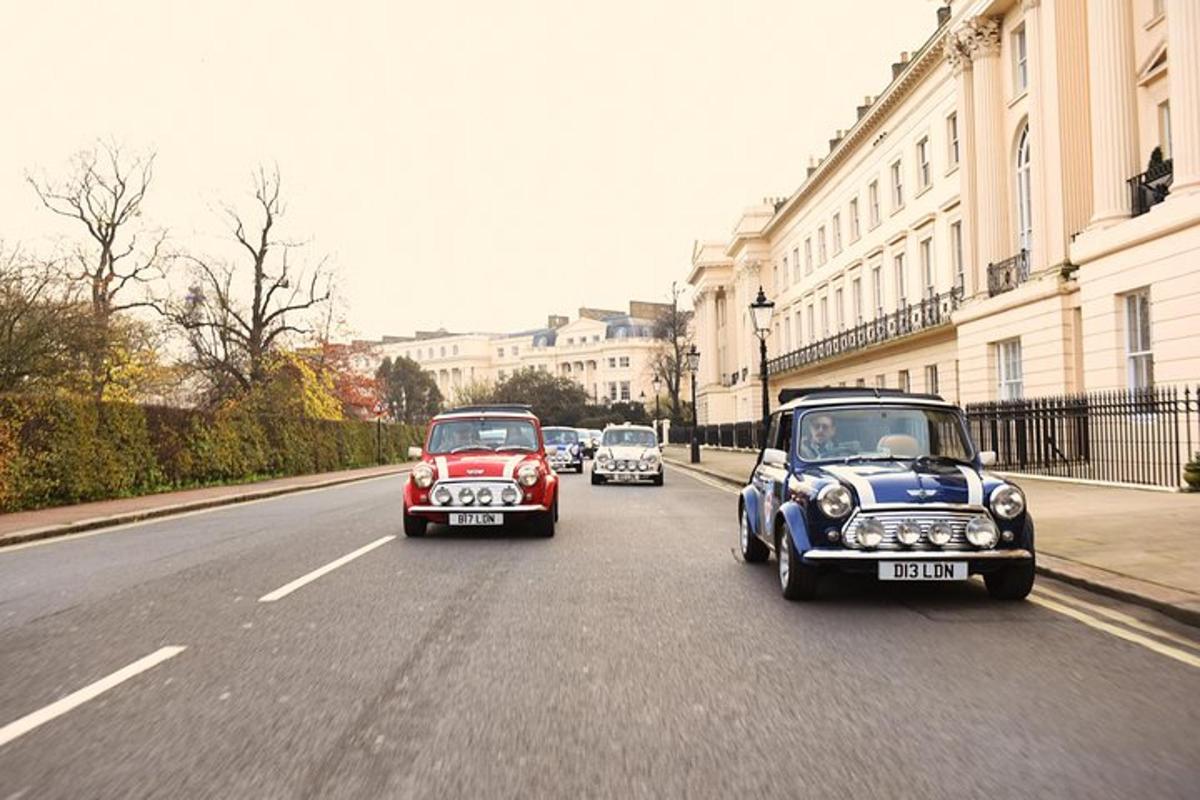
(628, 454)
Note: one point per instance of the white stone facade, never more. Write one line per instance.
(976, 232)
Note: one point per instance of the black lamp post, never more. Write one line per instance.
(760, 312)
(657, 384)
(693, 364)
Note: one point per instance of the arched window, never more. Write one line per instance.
(1024, 193)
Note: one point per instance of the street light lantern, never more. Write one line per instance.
(761, 310)
(693, 358)
(657, 384)
(693, 365)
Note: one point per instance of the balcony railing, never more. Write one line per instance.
(1008, 274)
(1151, 187)
(932, 312)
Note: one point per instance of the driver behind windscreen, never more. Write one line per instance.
(820, 435)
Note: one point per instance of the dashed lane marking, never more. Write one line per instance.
(286, 589)
(40, 717)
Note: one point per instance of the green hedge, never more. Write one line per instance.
(57, 450)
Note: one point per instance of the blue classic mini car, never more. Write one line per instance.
(883, 482)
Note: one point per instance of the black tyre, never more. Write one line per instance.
(752, 548)
(414, 527)
(1011, 583)
(658, 479)
(797, 580)
(543, 522)
(596, 479)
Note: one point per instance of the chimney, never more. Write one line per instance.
(556, 321)
(837, 138)
(865, 107)
(899, 66)
(813, 163)
(943, 14)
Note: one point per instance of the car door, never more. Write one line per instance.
(771, 473)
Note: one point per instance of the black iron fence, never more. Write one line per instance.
(1142, 437)
(1150, 187)
(1006, 275)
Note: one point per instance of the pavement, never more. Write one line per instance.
(1134, 544)
(302, 647)
(42, 523)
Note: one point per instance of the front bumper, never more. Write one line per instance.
(518, 509)
(628, 476)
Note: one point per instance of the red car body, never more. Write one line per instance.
(477, 480)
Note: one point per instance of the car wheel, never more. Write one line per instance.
(543, 523)
(414, 527)
(596, 479)
(752, 548)
(658, 479)
(1011, 583)
(797, 579)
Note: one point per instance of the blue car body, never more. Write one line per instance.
(906, 492)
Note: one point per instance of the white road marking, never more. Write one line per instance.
(40, 717)
(286, 589)
(1126, 619)
(703, 479)
(70, 537)
(1121, 633)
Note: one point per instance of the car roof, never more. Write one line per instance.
(559, 428)
(464, 414)
(866, 398)
(630, 426)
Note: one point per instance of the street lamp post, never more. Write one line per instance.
(760, 311)
(693, 364)
(657, 384)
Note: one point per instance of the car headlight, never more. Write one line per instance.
(870, 533)
(940, 534)
(982, 532)
(528, 474)
(509, 495)
(422, 475)
(835, 501)
(484, 496)
(909, 532)
(574, 449)
(442, 496)
(1007, 502)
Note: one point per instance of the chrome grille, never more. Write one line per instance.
(891, 521)
(455, 485)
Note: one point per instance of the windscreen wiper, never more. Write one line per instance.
(941, 459)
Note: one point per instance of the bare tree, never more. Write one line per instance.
(237, 312)
(672, 329)
(39, 324)
(104, 195)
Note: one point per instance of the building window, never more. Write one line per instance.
(856, 296)
(1024, 194)
(923, 172)
(514, 350)
(822, 255)
(824, 316)
(905, 383)
(775, 276)
(612, 362)
(442, 351)
(542, 368)
(877, 289)
(837, 233)
(808, 256)
(787, 334)
(1164, 128)
(623, 361)
(956, 253)
(873, 200)
(880, 381)
(1020, 61)
(862, 382)
(901, 284)
(812, 324)
(624, 390)
(612, 390)
(839, 312)
(926, 249)
(897, 186)
(1138, 356)
(854, 229)
(785, 267)
(931, 378)
(1008, 369)
(454, 350)
(796, 264)
(952, 139)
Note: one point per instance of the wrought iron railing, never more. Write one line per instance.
(1151, 187)
(932, 312)
(1008, 274)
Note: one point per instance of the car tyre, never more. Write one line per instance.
(596, 479)
(753, 550)
(414, 527)
(1011, 583)
(797, 580)
(658, 479)
(543, 523)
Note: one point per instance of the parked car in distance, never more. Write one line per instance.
(585, 442)
(481, 466)
(628, 454)
(563, 449)
(886, 483)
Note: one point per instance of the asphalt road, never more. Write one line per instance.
(633, 655)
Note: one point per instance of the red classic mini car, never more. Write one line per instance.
(482, 466)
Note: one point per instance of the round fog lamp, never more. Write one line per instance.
(442, 496)
(484, 496)
(940, 533)
(982, 532)
(466, 496)
(870, 533)
(510, 495)
(909, 532)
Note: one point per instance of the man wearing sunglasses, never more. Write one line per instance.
(819, 436)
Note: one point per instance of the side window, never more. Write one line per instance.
(785, 433)
(773, 430)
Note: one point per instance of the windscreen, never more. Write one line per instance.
(560, 435)
(629, 437)
(882, 433)
(460, 435)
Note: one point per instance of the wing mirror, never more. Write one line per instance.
(774, 458)
(414, 453)
(987, 457)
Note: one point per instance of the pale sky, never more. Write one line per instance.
(469, 165)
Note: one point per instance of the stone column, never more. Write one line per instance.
(1113, 108)
(960, 65)
(1183, 53)
(980, 39)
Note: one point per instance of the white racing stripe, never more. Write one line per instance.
(511, 465)
(286, 589)
(862, 486)
(974, 486)
(40, 717)
(443, 467)
(1119, 632)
